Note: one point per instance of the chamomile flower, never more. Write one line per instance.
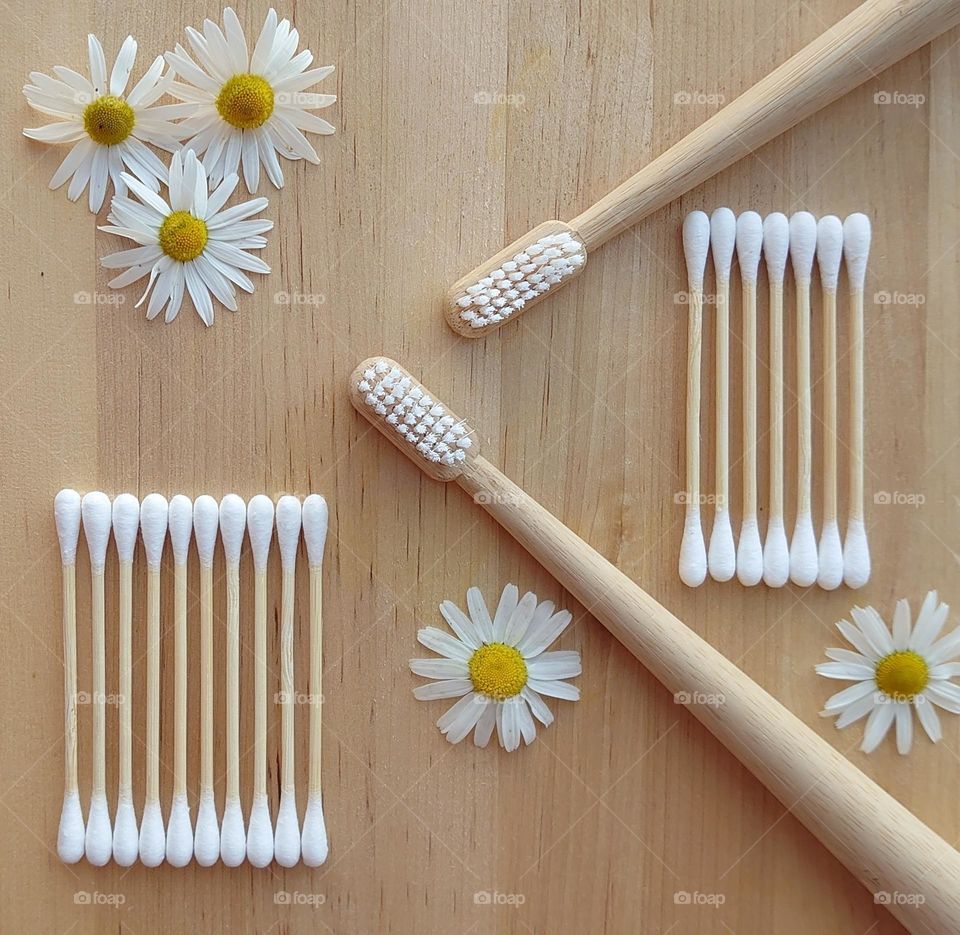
(107, 128)
(497, 667)
(249, 108)
(896, 674)
(190, 244)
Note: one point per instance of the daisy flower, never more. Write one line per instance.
(192, 243)
(497, 667)
(896, 674)
(248, 108)
(108, 130)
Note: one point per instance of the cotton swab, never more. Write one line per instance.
(260, 832)
(70, 835)
(179, 828)
(803, 545)
(206, 842)
(315, 518)
(749, 549)
(126, 522)
(829, 254)
(153, 529)
(696, 244)
(776, 552)
(721, 556)
(286, 845)
(856, 552)
(98, 843)
(233, 841)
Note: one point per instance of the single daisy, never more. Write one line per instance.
(108, 130)
(910, 669)
(497, 667)
(248, 108)
(193, 242)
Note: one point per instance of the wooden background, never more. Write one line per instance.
(460, 126)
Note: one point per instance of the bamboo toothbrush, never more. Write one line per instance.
(179, 828)
(696, 244)
(722, 555)
(776, 552)
(829, 254)
(803, 544)
(126, 523)
(856, 551)
(749, 549)
(314, 840)
(98, 843)
(206, 840)
(860, 46)
(260, 832)
(871, 833)
(70, 835)
(233, 838)
(286, 845)
(153, 529)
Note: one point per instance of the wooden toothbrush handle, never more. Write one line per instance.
(877, 839)
(874, 36)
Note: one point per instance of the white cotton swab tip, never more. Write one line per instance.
(829, 250)
(693, 552)
(153, 527)
(696, 245)
(856, 555)
(71, 832)
(804, 564)
(856, 248)
(260, 832)
(233, 521)
(749, 554)
(723, 238)
(98, 842)
(152, 835)
(803, 244)
(776, 245)
(314, 844)
(179, 833)
(260, 528)
(233, 839)
(206, 841)
(95, 508)
(206, 520)
(126, 835)
(288, 530)
(66, 515)
(315, 517)
(126, 522)
(181, 526)
(776, 555)
(722, 554)
(830, 559)
(286, 842)
(749, 244)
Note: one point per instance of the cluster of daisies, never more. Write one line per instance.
(238, 110)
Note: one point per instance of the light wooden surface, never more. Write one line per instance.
(459, 128)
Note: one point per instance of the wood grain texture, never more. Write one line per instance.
(439, 160)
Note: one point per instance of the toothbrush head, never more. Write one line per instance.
(515, 279)
(401, 408)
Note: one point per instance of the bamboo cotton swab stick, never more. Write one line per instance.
(829, 254)
(206, 842)
(315, 517)
(803, 545)
(856, 551)
(233, 840)
(98, 843)
(126, 521)
(776, 552)
(696, 244)
(179, 829)
(66, 515)
(722, 557)
(153, 528)
(286, 844)
(260, 832)
(749, 549)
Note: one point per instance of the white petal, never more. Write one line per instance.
(123, 66)
(847, 655)
(199, 293)
(451, 715)
(853, 636)
(944, 694)
(855, 710)
(146, 83)
(228, 253)
(538, 706)
(236, 42)
(81, 151)
(944, 649)
(877, 726)
(261, 50)
(236, 213)
(507, 724)
(480, 615)
(80, 178)
(528, 730)
(848, 696)
(539, 638)
(874, 629)
(461, 624)
(519, 621)
(562, 664)
(904, 719)
(176, 293)
(555, 689)
(485, 726)
(78, 82)
(304, 81)
(130, 276)
(946, 670)
(183, 65)
(309, 123)
(929, 624)
(929, 719)
(901, 625)
(250, 158)
(268, 156)
(505, 609)
(137, 256)
(99, 173)
(467, 719)
(218, 284)
(448, 688)
(146, 196)
(220, 195)
(143, 237)
(443, 643)
(98, 65)
(66, 131)
(845, 670)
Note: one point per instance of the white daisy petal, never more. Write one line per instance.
(250, 157)
(440, 668)
(236, 42)
(480, 615)
(555, 689)
(944, 649)
(881, 717)
(507, 724)
(99, 174)
(143, 237)
(945, 670)
(855, 711)
(538, 706)
(236, 276)
(443, 643)
(301, 82)
(63, 132)
(485, 726)
(467, 719)
(81, 151)
(185, 66)
(520, 619)
(236, 213)
(461, 624)
(261, 51)
(846, 655)
(928, 717)
(944, 694)
(146, 196)
(161, 293)
(929, 624)
(220, 195)
(268, 156)
(98, 65)
(132, 275)
(904, 724)
(176, 293)
(80, 178)
(528, 730)
(123, 66)
(462, 707)
(874, 629)
(448, 688)
(853, 636)
(505, 609)
(236, 257)
(901, 625)
(848, 696)
(562, 664)
(539, 638)
(146, 84)
(75, 80)
(216, 282)
(303, 120)
(845, 670)
(199, 293)
(138, 256)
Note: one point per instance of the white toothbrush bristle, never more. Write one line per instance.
(829, 250)
(749, 244)
(66, 515)
(803, 243)
(776, 245)
(723, 238)
(696, 246)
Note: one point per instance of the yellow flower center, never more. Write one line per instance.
(245, 101)
(497, 670)
(182, 236)
(108, 120)
(902, 675)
